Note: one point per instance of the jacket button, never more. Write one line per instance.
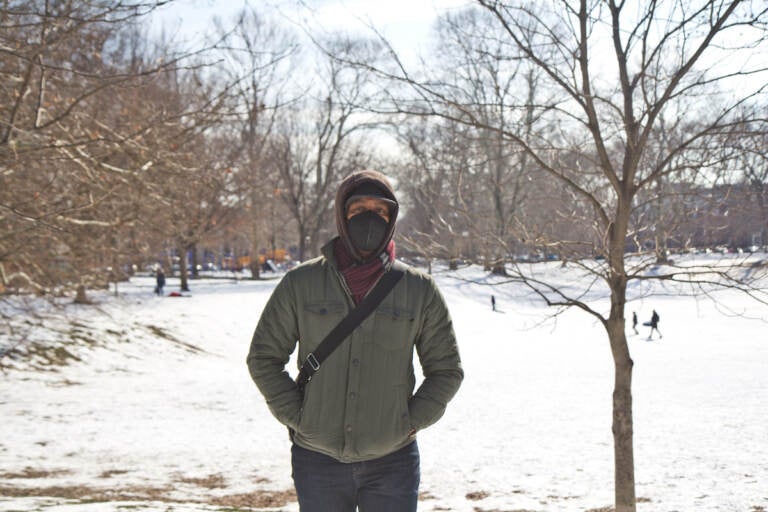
(349, 428)
(352, 395)
(356, 362)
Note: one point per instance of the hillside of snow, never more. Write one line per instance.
(144, 403)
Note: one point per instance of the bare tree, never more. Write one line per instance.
(259, 60)
(189, 189)
(593, 125)
(322, 141)
(438, 191)
(64, 130)
(487, 77)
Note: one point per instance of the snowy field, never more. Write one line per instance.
(154, 409)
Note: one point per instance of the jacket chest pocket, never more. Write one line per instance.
(318, 320)
(393, 328)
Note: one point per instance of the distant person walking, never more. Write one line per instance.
(160, 279)
(634, 322)
(493, 302)
(654, 323)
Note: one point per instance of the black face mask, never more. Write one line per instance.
(367, 230)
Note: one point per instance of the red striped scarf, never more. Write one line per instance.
(361, 278)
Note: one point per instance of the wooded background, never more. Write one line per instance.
(121, 149)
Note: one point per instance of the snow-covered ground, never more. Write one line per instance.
(155, 409)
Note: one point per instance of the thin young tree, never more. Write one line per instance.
(322, 140)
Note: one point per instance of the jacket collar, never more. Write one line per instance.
(328, 254)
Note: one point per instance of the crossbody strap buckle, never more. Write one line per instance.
(313, 362)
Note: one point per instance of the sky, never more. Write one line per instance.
(406, 23)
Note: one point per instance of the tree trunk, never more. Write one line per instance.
(623, 434)
(254, 264)
(661, 250)
(314, 245)
(499, 270)
(763, 208)
(183, 269)
(80, 296)
(255, 213)
(302, 242)
(195, 262)
(660, 238)
(623, 449)
(498, 267)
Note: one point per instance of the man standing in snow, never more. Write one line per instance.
(354, 425)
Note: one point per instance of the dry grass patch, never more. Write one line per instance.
(112, 472)
(610, 508)
(426, 495)
(256, 499)
(215, 481)
(35, 473)
(83, 492)
(478, 509)
(477, 495)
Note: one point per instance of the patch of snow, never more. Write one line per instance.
(163, 397)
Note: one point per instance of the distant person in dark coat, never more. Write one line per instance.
(654, 323)
(160, 282)
(493, 302)
(634, 322)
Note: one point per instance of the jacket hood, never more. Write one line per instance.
(347, 189)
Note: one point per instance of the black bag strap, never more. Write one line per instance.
(348, 324)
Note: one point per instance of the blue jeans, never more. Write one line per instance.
(386, 484)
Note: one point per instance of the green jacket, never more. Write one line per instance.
(360, 405)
